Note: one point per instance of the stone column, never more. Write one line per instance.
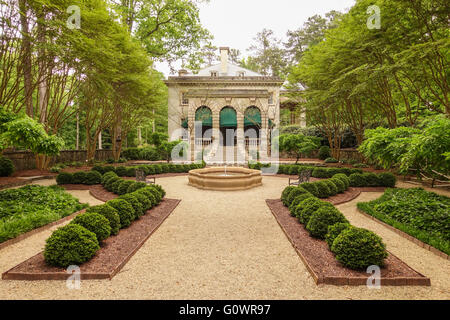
(263, 134)
(240, 150)
(191, 128)
(216, 150)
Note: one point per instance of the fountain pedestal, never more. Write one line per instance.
(231, 179)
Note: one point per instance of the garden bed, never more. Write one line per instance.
(114, 253)
(323, 266)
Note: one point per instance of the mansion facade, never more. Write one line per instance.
(225, 112)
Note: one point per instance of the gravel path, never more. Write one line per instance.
(225, 245)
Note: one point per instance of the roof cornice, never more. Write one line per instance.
(224, 80)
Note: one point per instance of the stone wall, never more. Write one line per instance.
(24, 160)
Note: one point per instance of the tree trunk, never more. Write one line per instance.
(26, 56)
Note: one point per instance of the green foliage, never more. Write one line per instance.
(311, 188)
(121, 171)
(93, 177)
(285, 195)
(371, 179)
(108, 175)
(343, 178)
(70, 245)
(125, 211)
(109, 183)
(358, 248)
(340, 185)
(309, 206)
(387, 179)
(136, 186)
(79, 177)
(331, 160)
(335, 230)
(295, 207)
(323, 189)
(116, 185)
(147, 203)
(6, 167)
(333, 188)
(137, 206)
(94, 222)
(421, 214)
(324, 152)
(298, 144)
(33, 206)
(322, 218)
(293, 194)
(357, 180)
(64, 178)
(109, 213)
(123, 187)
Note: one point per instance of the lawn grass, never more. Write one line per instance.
(30, 207)
(419, 213)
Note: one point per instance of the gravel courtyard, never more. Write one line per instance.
(224, 245)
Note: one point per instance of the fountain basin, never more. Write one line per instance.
(215, 178)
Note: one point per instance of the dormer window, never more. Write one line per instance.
(214, 74)
(241, 73)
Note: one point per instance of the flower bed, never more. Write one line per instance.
(30, 207)
(419, 213)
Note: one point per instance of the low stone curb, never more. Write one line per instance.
(407, 236)
(24, 182)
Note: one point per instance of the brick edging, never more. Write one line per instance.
(24, 182)
(28, 234)
(353, 281)
(406, 236)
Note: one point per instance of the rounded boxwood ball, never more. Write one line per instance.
(309, 206)
(311, 188)
(137, 206)
(387, 179)
(108, 175)
(136, 186)
(322, 189)
(125, 210)
(6, 167)
(93, 177)
(94, 222)
(294, 193)
(333, 189)
(115, 186)
(334, 231)
(340, 185)
(123, 187)
(146, 202)
(358, 248)
(109, 213)
(298, 199)
(321, 219)
(64, 178)
(357, 180)
(343, 178)
(70, 245)
(285, 194)
(79, 177)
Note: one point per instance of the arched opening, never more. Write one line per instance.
(204, 137)
(228, 126)
(252, 126)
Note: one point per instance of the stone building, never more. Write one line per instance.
(225, 110)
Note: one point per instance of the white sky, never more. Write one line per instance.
(234, 23)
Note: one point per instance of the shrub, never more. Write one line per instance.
(123, 187)
(294, 193)
(132, 154)
(335, 230)
(358, 248)
(333, 189)
(158, 169)
(70, 245)
(309, 206)
(324, 152)
(94, 222)
(109, 213)
(121, 171)
(331, 160)
(285, 194)
(116, 185)
(311, 188)
(110, 183)
(150, 170)
(108, 175)
(131, 172)
(371, 179)
(358, 171)
(158, 189)
(93, 177)
(125, 211)
(64, 178)
(298, 199)
(320, 173)
(109, 169)
(360, 165)
(145, 201)
(340, 185)
(150, 194)
(136, 186)
(387, 179)
(357, 180)
(321, 219)
(137, 206)
(150, 154)
(98, 169)
(6, 167)
(79, 177)
(143, 168)
(343, 178)
(293, 170)
(165, 168)
(323, 190)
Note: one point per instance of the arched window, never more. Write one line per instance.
(252, 117)
(228, 118)
(204, 114)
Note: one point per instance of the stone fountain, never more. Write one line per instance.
(225, 178)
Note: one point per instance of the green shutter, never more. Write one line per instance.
(228, 118)
(252, 117)
(204, 114)
(184, 124)
(271, 124)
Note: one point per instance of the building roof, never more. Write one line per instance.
(233, 71)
